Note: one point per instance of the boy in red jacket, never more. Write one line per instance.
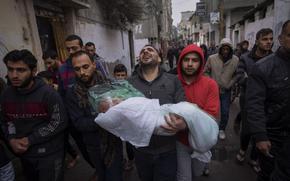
(200, 90)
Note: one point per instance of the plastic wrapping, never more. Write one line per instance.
(108, 94)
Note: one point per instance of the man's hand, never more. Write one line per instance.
(264, 147)
(19, 145)
(174, 124)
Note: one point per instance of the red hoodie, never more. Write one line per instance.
(203, 91)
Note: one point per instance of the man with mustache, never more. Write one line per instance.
(158, 161)
(103, 149)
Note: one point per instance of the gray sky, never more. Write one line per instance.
(181, 5)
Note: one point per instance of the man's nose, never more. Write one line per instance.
(70, 51)
(14, 74)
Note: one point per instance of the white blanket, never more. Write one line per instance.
(135, 119)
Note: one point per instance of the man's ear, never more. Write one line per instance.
(94, 64)
(280, 39)
(34, 70)
(159, 60)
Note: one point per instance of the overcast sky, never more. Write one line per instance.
(179, 6)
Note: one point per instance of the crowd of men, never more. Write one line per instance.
(40, 111)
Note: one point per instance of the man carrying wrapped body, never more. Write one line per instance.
(126, 113)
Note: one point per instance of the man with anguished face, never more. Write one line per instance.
(158, 161)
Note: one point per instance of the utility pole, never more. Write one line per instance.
(222, 21)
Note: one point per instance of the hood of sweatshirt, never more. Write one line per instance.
(226, 42)
(190, 49)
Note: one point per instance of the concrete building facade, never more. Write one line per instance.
(39, 25)
(268, 14)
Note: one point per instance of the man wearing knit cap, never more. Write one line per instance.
(200, 90)
(158, 161)
(221, 67)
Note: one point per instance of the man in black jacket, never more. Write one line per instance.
(262, 48)
(105, 157)
(267, 105)
(158, 161)
(282, 167)
(33, 118)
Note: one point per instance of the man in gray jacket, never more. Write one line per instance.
(221, 67)
(158, 161)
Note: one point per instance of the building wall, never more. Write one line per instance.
(111, 43)
(18, 30)
(251, 28)
(138, 45)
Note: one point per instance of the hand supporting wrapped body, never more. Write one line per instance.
(136, 119)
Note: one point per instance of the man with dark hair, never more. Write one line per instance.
(170, 56)
(71, 38)
(200, 90)
(267, 106)
(73, 44)
(262, 48)
(158, 161)
(221, 67)
(100, 62)
(66, 79)
(52, 63)
(244, 46)
(33, 118)
(108, 164)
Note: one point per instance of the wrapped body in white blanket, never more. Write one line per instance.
(136, 119)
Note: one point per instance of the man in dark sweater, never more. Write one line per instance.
(104, 150)
(158, 161)
(33, 118)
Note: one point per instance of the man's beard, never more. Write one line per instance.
(88, 81)
(26, 82)
(151, 64)
(187, 74)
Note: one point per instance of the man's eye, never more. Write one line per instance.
(86, 66)
(77, 69)
(21, 70)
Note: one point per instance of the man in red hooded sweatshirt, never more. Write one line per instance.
(200, 90)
